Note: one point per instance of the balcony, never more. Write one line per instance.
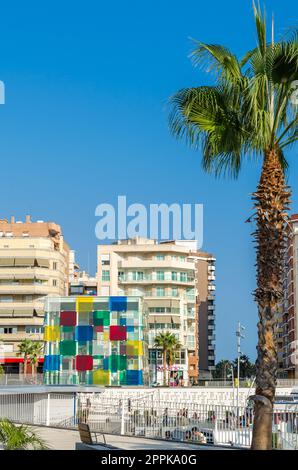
(153, 279)
(156, 264)
(23, 289)
(21, 309)
(20, 336)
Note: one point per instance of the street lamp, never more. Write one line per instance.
(239, 336)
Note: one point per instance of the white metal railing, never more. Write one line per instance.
(21, 379)
(144, 414)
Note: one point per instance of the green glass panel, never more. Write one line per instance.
(68, 348)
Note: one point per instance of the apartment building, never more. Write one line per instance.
(164, 275)
(205, 267)
(33, 264)
(288, 364)
(80, 282)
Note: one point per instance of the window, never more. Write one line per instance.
(160, 275)
(105, 260)
(54, 282)
(6, 299)
(160, 257)
(105, 291)
(174, 276)
(105, 275)
(8, 330)
(33, 329)
(54, 265)
(174, 292)
(160, 291)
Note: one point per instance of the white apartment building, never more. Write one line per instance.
(164, 275)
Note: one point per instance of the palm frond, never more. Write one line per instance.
(218, 58)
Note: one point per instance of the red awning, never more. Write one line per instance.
(15, 359)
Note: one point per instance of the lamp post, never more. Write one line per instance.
(239, 336)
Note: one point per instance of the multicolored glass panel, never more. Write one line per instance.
(95, 340)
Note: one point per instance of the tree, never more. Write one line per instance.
(247, 369)
(250, 111)
(25, 350)
(168, 343)
(21, 437)
(35, 354)
(223, 370)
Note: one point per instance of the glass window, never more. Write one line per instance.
(160, 257)
(174, 292)
(160, 291)
(160, 275)
(105, 275)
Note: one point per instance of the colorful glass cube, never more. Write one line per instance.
(68, 318)
(117, 333)
(84, 363)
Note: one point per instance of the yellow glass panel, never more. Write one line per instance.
(101, 377)
(52, 333)
(106, 336)
(134, 348)
(84, 304)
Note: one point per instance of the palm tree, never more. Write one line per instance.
(35, 354)
(14, 437)
(168, 343)
(25, 350)
(250, 111)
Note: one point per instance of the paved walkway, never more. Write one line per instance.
(63, 439)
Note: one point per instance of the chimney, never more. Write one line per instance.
(28, 219)
(12, 219)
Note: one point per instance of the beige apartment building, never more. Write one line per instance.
(286, 325)
(33, 264)
(164, 274)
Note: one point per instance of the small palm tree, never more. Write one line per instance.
(168, 343)
(251, 110)
(35, 354)
(22, 437)
(25, 349)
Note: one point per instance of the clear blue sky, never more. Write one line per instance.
(85, 120)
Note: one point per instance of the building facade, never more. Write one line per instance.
(95, 340)
(33, 265)
(287, 322)
(164, 275)
(205, 266)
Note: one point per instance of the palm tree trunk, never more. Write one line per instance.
(165, 368)
(271, 202)
(25, 365)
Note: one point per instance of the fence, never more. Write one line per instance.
(21, 379)
(147, 416)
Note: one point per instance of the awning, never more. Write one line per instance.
(6, 276)
(6, 261)
(24, 262)
(39, 312)
(164, 319)
(23, 312)
(16, 359)
(43, 263)
(6, 311)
